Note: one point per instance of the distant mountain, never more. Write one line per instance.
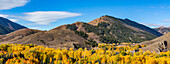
(159, 44)
(163, 30)
(7, 26)
(105, 29)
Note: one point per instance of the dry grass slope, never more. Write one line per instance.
(159, 44)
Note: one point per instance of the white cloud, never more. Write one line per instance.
(165, 23)
(155, 25)
(41, 17)
(148, 24)
(35, 27)
(47, 17)
(9, 17)
(4, 16)
(9, 4)
(14, 20)
(167, 20)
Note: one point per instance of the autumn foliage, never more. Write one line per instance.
(103, 54)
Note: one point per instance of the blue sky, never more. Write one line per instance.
(48, 14)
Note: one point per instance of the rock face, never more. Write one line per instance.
(159, 44)
(163, 30)
(7, 26)
(162, 46)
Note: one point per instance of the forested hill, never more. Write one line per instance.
(109, 29)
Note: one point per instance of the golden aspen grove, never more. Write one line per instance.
(103, 54)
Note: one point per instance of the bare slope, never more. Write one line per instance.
(17, 35)
(159, 44)
(54, 38)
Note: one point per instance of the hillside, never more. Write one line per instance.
(105, 29)
(109, 29)
(7, 26)
(163, 30)
(159, 44)
(4, 30)
(17, 35)
(142, 27)
(53, 38)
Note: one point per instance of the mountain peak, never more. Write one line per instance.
(78, 22)
(105, 18)
(127, 19)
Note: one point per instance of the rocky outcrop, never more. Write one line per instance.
(162, 46)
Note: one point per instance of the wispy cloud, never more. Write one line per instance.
(47, 17)
(159, 7)
(35, 27)
(4, 16)
(8, 17)
(14, 20)
(152, 7)
(9, 4)
(41, 17)
(155, 25)
(138, 10)
(167, 20)
(162, 7)
(156, 13)
(148, 24)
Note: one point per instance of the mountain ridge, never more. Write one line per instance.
(9, 25)
(117, 25)
(107, 29)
